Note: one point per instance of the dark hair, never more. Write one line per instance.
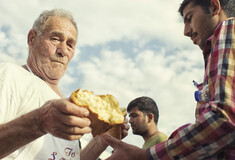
(145, 105)
(227, 5)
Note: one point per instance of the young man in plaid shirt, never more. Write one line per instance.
(212, 136)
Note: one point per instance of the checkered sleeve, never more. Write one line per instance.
(213, 133)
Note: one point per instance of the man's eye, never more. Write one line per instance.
(70, 45)
(55, 39)
(189, 18)
(134, 115)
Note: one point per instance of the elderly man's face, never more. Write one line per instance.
(52, 51)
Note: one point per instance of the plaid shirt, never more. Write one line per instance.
(213, 134)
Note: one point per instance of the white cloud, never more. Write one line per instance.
(106, 20)
(166, 78)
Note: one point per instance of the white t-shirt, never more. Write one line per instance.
(20, 93)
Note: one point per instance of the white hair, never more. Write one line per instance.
(39, 23)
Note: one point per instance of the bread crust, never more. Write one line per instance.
(101, 122)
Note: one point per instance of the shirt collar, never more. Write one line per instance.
(207, 49)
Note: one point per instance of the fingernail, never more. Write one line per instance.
(86, 113)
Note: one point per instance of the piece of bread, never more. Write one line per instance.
(116, 130)
(104, 110)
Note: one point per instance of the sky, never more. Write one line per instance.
(127, 48)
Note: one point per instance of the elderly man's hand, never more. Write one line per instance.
(63, 119)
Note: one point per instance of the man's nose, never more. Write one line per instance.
(62, 49)
(187, 30)
(130, 120)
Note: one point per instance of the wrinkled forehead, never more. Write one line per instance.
(61, 25)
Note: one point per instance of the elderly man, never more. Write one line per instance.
(35, 121)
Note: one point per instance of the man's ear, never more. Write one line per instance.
(150, 117)
(215, 7)
(31, 37)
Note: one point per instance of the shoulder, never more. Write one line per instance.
(16, 78)
(224, 32)
(228, 21)
(156, 139)
(162, 135)
(226, 25)
(9, 68)
(10, 73)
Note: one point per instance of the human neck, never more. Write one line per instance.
(52, 85)
(150, 134)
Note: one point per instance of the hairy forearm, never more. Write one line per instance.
(93, 149)
(18, 133)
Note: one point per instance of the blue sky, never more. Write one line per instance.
(127, 48)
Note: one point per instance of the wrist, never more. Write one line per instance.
(143, 155)
(38, 121)
(99, 144)
(96, 146)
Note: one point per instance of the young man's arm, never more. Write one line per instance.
(96, 146)
(123, 150)
(93, 149)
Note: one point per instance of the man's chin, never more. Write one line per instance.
(133, 131)
(201, 46)
(136, 133)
